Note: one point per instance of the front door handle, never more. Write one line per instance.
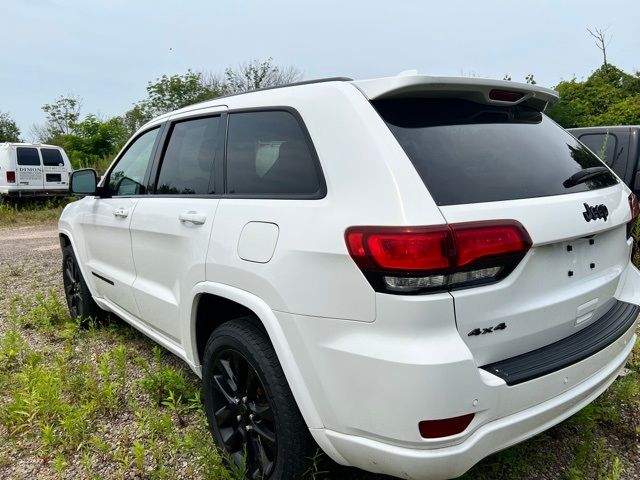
(192, 217)
(121, 212)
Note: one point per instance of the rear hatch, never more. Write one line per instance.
(498, 161)
(29, 175)
(56, 176)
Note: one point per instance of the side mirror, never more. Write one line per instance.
(83, 182)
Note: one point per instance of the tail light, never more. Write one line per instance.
(413, 260)
(11, 177)
(505, 95)
(634, 206)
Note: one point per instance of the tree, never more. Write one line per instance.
(9, 131)
(169, 93)
(62, 115)
(609, 96)
(601, 41)
(259, 74)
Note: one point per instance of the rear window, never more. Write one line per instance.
(28, 156)
(51, 157)
(268, 154)
(466, 152)
(187, 165)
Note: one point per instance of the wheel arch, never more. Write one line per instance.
(236, 303)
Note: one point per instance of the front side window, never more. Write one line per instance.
(268, 153)
(187, 164)
(28, 156)
(127, 176)
(51, 157)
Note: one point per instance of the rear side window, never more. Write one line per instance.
(187, 165)
(268, 154)
(28, 156)
(51, 157)
(602, 144)
(466, 152)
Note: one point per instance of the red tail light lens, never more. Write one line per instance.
(474, 241)
(445, 427)
(419, 259)
(635, 207)
(505, 95)
(399, 249)
(11, 177)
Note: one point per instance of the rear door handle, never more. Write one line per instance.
(192, 217)
(121, 212)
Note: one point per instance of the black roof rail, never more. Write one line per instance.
(294, 84)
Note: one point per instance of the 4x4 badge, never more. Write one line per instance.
(594, 213)
(484, 331)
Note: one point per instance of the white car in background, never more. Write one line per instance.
(33, 170)
(410, 272)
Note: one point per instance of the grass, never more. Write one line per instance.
(102, 398)
(98, 395)
(32, 211)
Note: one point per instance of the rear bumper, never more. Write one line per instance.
(372, 383)
(453, 461)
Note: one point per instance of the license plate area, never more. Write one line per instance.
(583, 257)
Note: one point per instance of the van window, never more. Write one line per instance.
(28, 156)
(467, 152)
(602, 144)
(268, 153)
(187, 164)
(127, 176)
(51, 157)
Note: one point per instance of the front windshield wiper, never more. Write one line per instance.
(584, 175)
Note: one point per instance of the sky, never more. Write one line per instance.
(105, 51)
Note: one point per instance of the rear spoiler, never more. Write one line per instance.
(479, 90)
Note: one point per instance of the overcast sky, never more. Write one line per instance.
(105, 51)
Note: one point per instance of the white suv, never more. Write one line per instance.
(417, 271)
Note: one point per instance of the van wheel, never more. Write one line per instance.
(251, 411)
(79, 300)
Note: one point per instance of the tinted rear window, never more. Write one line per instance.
(51, 157)
(470, 153)
(268, 154)
(187, 165)
(28, 156)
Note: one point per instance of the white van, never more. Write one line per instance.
(28, 169)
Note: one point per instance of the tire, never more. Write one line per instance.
(249, 405)
(79, 299)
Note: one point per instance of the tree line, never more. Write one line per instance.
(609, 96)
(93, 141)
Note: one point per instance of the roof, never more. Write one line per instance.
(408, 84)
(24, 144)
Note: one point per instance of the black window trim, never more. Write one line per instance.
(220, 161)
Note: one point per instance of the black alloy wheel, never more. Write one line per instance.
(244, 416)
(251, 411)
